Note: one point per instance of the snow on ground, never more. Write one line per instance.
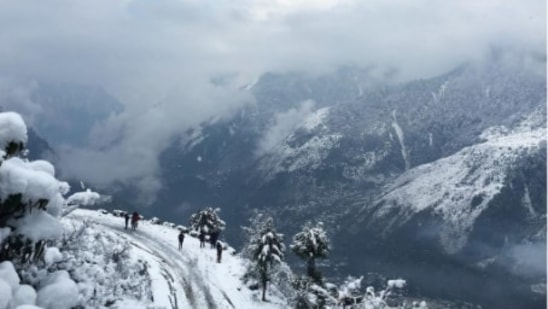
(187, 279)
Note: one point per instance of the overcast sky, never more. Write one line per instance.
(147, 52)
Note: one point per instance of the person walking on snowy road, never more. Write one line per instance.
(219, 247)
(201, 237)
(181, 239)
(134, 220)
(126, 217)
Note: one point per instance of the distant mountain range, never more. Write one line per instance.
(448, 172)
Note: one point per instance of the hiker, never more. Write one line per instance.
(126, 216)
(201, 237)
(134, 219)
(213, 239)
(181, 239)
(219, 246)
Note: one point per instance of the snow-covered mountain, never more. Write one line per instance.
(460, 187)
(454, 165)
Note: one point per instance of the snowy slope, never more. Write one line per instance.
(459, 188)
(187, 279)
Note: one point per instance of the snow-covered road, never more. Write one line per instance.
(187, 279)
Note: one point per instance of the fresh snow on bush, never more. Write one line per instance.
(5, 293)
(8, 274)
(396, 283)
(52, 255)
(86, 198)
(23, 295)
(60, 292)
(39, 225)
(12, 129)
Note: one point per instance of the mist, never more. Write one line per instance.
(160, 58)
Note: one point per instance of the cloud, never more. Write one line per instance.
(284, 123)
(159, 57)
(527, 259)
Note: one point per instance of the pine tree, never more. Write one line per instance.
(207, 220)
(265, 249)
(310, 244)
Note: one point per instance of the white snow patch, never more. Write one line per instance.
(401, 139)
(52, 255)
(308, 155)
(315, 119)
(396, 283)
(526, 200)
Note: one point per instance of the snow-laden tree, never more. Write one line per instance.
(207, 220)
(316, 295)
(309, 244)
(265, 248)
(350, 296)
(31, 197)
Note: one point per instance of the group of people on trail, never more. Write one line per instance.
(134, 220)
(213, 237)
(213, 240)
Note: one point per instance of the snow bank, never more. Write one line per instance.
(12, 295)
(129, 304)
(59, 293)
(5, 294)
(8, 274)
(24, 295)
